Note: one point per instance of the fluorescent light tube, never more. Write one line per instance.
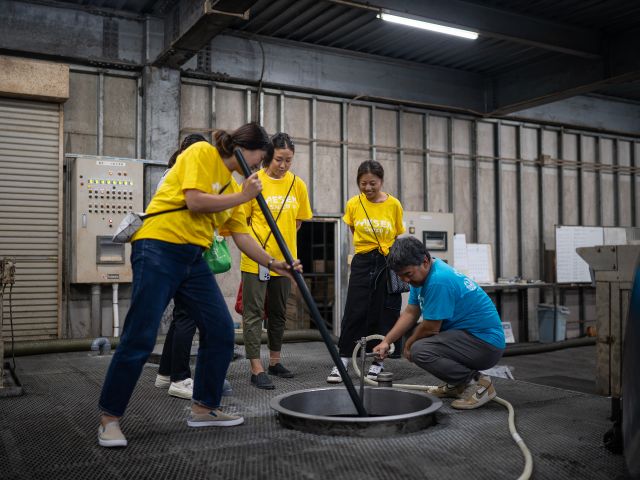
(458, 32)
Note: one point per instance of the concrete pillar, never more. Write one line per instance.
(161, 107)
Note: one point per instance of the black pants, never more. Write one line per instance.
(369, 308)
(176, 351)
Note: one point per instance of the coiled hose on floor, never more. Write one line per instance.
(528, 460)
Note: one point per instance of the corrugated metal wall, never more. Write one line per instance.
(489, 173)
(30, 200)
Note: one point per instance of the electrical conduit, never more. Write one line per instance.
(116, 313)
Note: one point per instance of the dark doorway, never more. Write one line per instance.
(316, 250)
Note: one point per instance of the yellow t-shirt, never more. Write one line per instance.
(297, 207)
(199, 167)
(386, 218)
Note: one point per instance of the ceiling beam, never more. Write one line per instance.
(191, 25)
(332, 71)
(560, 77)
(595, 112)
(496, 23)
(71, 34)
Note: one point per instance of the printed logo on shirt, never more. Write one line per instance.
(275, 202)
(470, 285)
(379, 226)
(421, 301)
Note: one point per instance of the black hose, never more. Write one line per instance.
(41, 347)
(306, 294)
(531, 348)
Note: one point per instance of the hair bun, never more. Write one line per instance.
(224, 143)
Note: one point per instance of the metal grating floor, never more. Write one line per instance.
(50, 432)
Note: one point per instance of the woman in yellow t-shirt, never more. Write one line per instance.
(375, 219)
(167, 262)
(287, 198)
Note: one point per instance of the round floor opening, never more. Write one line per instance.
(330, 411)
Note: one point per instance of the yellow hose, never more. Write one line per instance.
(528, 459)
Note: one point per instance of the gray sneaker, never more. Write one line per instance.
(214, 418)
(162, 381)
(111, 435)
(334, 376)
(227, 390)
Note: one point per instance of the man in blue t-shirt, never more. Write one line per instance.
(458, 330)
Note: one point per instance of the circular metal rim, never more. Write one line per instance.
(275, 404)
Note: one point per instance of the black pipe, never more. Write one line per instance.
(43, 347)
(532, 348)
(302, 286)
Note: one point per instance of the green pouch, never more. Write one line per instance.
(218, 257)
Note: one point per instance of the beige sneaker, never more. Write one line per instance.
(182, 389)
(111, 435)
(446, 391)
(214, 418)
(475, 395)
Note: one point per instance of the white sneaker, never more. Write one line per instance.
(334, 376)
(374, 370)
(162, 381)
(183, 389)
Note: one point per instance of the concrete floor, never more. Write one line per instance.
(50, 431)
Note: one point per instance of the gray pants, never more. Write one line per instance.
(454, 356)
(254, 291)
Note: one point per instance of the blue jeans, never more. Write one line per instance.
(162, 271)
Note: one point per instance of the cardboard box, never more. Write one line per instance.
(297, 315)
(323, 288)
(323, 266)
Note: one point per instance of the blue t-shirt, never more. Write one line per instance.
(458, 302)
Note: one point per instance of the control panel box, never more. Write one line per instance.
(433, 229)
(103, 191)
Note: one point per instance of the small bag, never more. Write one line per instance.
(128, 226)
(238, 307)
(132, 222)
(218, 257)
(394, 284)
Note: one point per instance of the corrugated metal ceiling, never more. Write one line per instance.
(330, 24)
(339, 26)
(602, 15)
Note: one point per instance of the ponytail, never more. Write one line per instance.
(250, 136)
(223, 142)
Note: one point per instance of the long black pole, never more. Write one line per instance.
(302, 286)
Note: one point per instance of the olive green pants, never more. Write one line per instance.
(276, 290)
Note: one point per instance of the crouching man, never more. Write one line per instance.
(457, 332)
